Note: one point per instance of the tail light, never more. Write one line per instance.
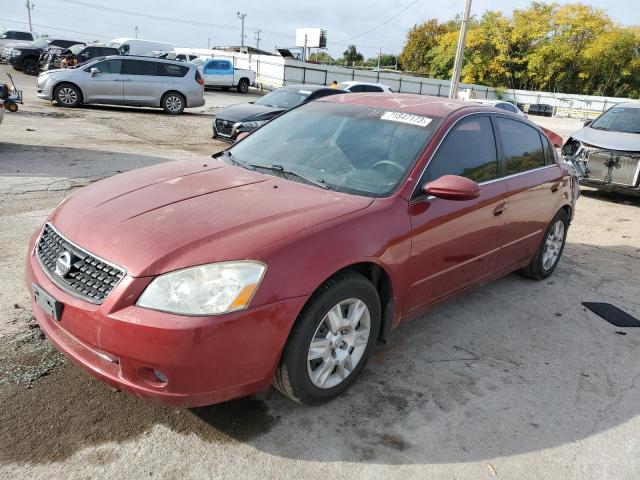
(199, 78)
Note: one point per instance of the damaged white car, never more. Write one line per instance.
(606, 152)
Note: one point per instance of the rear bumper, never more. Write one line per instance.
(195, 102)
(205, 360)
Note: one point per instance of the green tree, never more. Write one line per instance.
(351, 55)
(321, 57)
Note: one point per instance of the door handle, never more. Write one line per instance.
(499, 210)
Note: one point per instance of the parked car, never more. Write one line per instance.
(125, 80)
(1, 110)
(51, 58)
(501, 104)
(137, 46)
(220, 72)
(606, 152)
(287, 257)
(357, 87)
(14, 36)
(540, 109)
(246, 117)
(26, 57)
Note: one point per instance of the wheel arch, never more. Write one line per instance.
(381, 280)
(173, 90)
(67, 82)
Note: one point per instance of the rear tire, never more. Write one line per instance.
(548, 255)
(11, 107)
(173, 103)
(243, 86)
(331, 341)
(67, 95)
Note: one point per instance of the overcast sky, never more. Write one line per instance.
(345, 21)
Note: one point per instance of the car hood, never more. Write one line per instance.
(245, 112)
(628, 142)
(179, 214)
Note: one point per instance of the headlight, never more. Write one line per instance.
(15, 53)
(205, 290)
(256, 124)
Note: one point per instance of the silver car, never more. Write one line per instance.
(126, 80)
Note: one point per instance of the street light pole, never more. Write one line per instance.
(29, 9)
(136, 31)
(455, 77)
(242, 16)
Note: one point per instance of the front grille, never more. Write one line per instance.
(614, 167)
(88, 277)
(224, 127)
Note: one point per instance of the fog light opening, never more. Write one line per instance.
(153, 377)
(162, 378)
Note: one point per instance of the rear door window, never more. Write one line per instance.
(469, 150)
(357, 89)
(372, 88)
(170, 70)
(521, 146)
(139, 67)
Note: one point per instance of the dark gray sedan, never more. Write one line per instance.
(246, 117)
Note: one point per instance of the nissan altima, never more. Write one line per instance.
(284, 259)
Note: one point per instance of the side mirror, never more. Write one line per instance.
(452, 187)
(94, 71)
(241, 135)
(587, 123)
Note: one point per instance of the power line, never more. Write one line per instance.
(383, 23)
(55, 28)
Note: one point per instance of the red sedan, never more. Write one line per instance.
(285, 258)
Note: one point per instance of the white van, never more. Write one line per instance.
(137, 46)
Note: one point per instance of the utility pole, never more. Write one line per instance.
(379, 55)
(242, 16)
(457, 67)
(258, 39)
(29, 10)
(136, 30)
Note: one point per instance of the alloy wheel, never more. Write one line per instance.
(68, 96)
(339, 342)
(173, 103)
(553, 245)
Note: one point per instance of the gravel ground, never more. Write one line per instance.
(514, 380)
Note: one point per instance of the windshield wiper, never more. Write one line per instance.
(279, 168)
(229, 155)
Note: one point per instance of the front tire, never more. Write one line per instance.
(331, 341)
(67, 95)
(173, 103)
(548, 255)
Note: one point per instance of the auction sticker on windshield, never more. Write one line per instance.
(416, 120)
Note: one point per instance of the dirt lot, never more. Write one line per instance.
(515, 380)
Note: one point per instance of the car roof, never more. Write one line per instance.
(142, 57)
(404, 102)
(355, 82)
(486, 101)
(627, 105)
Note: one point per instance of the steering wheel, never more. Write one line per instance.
(389, 162)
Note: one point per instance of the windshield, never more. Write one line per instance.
(354, 149)
(619, 119)
(284, 98)
(41, 42)
(76, 49)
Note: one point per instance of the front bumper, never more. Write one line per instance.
(206, 360)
